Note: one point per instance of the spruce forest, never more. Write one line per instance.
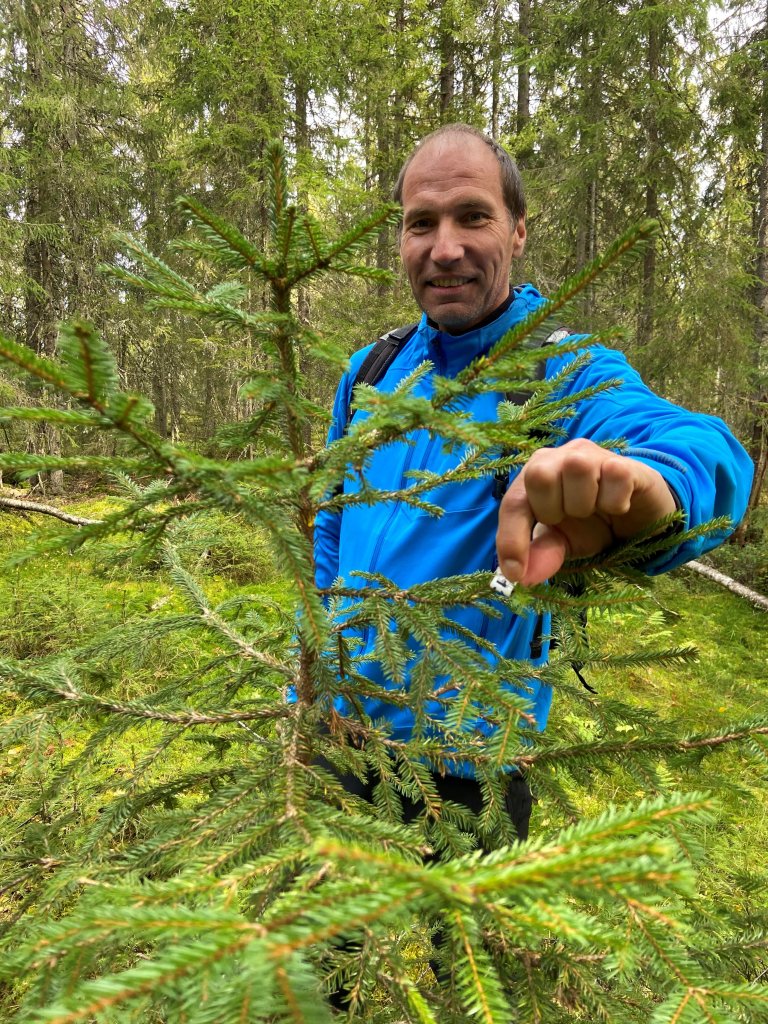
(197, 231)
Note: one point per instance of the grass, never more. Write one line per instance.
(47, 604)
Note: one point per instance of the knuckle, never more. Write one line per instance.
(514, 498)
(617, 470)
(542, 467)
(579, 462)
(580, 446)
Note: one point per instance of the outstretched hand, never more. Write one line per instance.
(571, 502)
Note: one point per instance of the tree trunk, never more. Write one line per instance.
(384, 182)
(646, 316)
(301, 131)
(158, 388)
(303, 307)
(42, 263)
(758, 428)
(447, 50)
(497, 21)
(758, 600)
(591, 120)
(39, 258)
(523, 71)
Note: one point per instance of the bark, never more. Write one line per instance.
(39, 258)
(46, 510)
(301, 121)
(42, 262)
(497, 11)
(156, 229)
(646, 316)
(447, 50)
(524, 76)
(758, 600)
(158, 388)
(384, 181)
(303, 308)
(591, 119)
(757, 444)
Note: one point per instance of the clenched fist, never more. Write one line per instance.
(571, 502)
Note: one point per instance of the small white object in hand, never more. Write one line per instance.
(501, 585)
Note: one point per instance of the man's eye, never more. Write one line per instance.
(422, 224)
(476, 216)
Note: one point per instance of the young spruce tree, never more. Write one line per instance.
(247, 884)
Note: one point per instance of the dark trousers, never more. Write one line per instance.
(517, 796)
(518, 801)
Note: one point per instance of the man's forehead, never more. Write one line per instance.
(452, 161)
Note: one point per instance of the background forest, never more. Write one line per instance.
(110, 110)
(170, 852)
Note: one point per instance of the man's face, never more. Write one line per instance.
(458, 239)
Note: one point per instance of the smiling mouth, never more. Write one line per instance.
(449, 282)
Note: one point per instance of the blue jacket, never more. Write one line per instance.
(705, 466)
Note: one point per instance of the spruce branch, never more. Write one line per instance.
(23, 358)
(65, 689)
(644, 744)
(224, 241)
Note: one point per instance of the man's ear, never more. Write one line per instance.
(518, 238)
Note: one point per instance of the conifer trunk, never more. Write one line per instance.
(523, 75)
(384, 182)
(757, 443)
(41, 262)
(303, 305)
(447, 50)
(496, 52)
(646, 316)
(591, 118)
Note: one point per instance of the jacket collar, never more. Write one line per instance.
(452, 352)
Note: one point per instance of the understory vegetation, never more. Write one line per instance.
(181, 699)
(61, 599)
(46, 604)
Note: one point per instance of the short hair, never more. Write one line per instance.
(511, 181)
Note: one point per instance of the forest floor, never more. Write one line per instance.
(55, 600)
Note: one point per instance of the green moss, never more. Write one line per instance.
(727, 682)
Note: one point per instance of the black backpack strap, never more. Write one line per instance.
(381, 357)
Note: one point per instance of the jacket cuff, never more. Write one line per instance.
(673, 472)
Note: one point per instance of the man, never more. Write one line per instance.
(463, 225)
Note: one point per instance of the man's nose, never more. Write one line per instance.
(446, 244)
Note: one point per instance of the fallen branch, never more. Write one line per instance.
(47, 510)
(725, 581)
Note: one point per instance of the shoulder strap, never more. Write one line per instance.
(384, 351)
(381, 357)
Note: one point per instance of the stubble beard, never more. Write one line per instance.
(454, 321)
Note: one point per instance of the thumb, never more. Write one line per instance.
(548, 550)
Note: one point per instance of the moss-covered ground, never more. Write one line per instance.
(55, 601)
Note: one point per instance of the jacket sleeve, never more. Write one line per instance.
(703, 463)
